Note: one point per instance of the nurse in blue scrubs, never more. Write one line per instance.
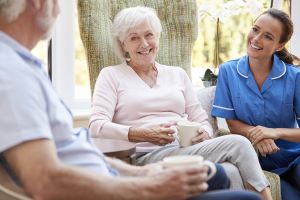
(259, 95)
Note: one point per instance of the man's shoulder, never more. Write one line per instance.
(15, 71)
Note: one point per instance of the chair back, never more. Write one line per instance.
(179, 24)
(8, 189)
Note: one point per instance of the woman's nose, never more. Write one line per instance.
(144, 43)
(257, 37)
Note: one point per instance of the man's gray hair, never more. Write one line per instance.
(11, 9)
(127, 21)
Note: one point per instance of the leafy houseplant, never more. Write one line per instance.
(228, 9)
(209, 78)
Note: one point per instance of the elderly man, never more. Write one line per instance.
(37, 144)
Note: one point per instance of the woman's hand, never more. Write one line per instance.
(267, 146)
(201, 137)
(160, 135)
(258, 133)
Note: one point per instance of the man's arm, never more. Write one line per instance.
(131, 170)
(43, 176)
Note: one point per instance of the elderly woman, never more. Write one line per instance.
(140, 99)
(259, 95)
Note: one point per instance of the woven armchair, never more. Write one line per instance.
(179, 23)
(206, 97)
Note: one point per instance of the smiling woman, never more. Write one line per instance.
(259, 95)
(140, 100)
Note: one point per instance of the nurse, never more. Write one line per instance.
(259, 95)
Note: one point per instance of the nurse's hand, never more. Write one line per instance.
(258, 133)
(201, 137)
(267, 146)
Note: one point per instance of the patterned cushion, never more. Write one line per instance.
(179, 23)
(206, 98)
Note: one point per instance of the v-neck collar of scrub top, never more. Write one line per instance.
(243, 69)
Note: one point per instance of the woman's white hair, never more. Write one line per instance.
(11, 9)
(127, 21)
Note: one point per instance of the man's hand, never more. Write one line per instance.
(258, 133)
(178, 183)
(201, 137)
(267, 146)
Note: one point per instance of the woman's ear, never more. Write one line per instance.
(123, 46)
(281, 46)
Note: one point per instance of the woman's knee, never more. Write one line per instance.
(234, 175)
(240, 142)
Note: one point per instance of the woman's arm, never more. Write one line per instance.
(238, 127)
(265, 146)
(193, 107)
(288, 134)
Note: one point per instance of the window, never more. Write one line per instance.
(65, 64)
(82, 83)
(41, 52)
(63, 58)
(233, 35)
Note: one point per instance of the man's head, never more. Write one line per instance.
(37, 15)
(11, 9)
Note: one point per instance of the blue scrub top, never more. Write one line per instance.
(274, 106)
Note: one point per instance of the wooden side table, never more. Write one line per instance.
(116, 148)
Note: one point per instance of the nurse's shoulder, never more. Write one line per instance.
(230, 67)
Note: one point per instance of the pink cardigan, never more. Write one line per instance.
(122, 100)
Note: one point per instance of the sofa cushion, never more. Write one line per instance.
(206, 98)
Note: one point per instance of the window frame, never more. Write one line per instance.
(63, 52)
(63, 57)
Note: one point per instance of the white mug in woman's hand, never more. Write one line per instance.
(186, 132)
(173, 161)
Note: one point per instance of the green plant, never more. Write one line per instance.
(209, 76)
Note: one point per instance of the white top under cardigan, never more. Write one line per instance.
(122, 100)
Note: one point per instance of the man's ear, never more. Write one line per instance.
(36, 4)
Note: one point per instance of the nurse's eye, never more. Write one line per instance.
(268, 37)
(255, 29)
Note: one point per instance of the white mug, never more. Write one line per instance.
(185, 160)
(186, 132)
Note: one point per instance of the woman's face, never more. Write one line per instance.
(142, 45)
(263, 38)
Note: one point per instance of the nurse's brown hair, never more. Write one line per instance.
(287, 32)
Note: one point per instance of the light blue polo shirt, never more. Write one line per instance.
(276, 105)
(30, 109)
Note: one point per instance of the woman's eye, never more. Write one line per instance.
(268, 37)
(134, 38)
(254, 29)
(150, 34)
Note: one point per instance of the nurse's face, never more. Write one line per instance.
(263, 38)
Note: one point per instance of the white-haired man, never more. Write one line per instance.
(38, 147)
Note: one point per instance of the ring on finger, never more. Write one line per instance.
(253, 134)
